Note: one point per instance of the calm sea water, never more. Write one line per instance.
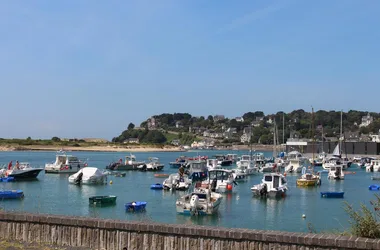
(52, 193)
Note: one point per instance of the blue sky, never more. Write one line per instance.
(88, 68)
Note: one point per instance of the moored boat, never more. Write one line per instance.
(202, 201)
(272, 185)
(11, 194)
(220, 180)
(23, 171)
(177, 182)
(153, 165)
(336, 172)
(156, 186)
(102, 199)
(65, 164)
(88, 175)
(308, 179)
(130, 163)
(332, 194)
(135, 206)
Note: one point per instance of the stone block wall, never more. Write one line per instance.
(132, 235)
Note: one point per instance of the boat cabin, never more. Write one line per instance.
(294, 155)
(273, 180)
(212, 163)
(232, 157)
(220, 175)
(66, 160)
(337, 168)
(245, 158)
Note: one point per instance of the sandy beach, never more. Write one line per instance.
(92, 148)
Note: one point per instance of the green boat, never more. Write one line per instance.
(105, 199)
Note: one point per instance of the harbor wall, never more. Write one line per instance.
(351, 148)
(92, 233)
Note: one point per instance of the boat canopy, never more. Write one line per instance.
(89, 171)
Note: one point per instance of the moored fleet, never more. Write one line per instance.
(204, 180)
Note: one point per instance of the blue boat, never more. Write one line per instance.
(374, 187)
(332, 194)
(135, 206)
(7, 179)
(157, 186)
(11, 194)
(198, 171)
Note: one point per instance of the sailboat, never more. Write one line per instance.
(308, 177)
(336, 158)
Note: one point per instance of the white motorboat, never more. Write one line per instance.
(239, 175)
(244, 160)
(221, 180)
(177, 182)
(247, 166)
(23, 171)
(296, 162)
(65, 164)
(153, 165)
(202, 201)
(374, 166)
(269, 168)
(258, 159)
(88, 175)
(213, 164)
(336, 173)
(272, 185)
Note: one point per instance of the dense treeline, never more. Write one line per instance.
(297, 121)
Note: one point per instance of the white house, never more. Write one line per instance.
(366, 120)
(245, 138)
(239, 119)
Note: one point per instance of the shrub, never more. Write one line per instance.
(364, 222)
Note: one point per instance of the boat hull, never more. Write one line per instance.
(332, 194)
(307, 183)
(270, 194)
(11, 194)
(28, 174)
(102, 199)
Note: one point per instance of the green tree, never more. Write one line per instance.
(55, 139)
(131, 126)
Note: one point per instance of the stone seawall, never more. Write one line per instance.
(111, 234)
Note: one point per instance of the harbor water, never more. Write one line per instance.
(52, 194)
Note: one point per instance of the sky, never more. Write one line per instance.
(83, 68)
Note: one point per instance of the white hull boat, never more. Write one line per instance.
(272, 185)
(177, 182)
(65, 164)
(23, 171)
(88, 175)
(336, 173)
(200, 202)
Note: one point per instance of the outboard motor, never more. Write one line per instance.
(78, 180)
(194, 202)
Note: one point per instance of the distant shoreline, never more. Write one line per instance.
(163, 148)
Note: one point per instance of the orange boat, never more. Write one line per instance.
(161, 175)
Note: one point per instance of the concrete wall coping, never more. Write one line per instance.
(306, 239)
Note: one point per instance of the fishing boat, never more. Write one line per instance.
(135, 206)
(336, 173)
(223, 160)
(177, 182)
(269, 168)
(246, 165)
(332, 194)
(102, 199)
(11, 194)
(88, 175)
(232, 157)
(272, 185)
(152, 165)
(157, 186)
(23, 171)
(129, 163)
(308, 179)
(65, 164)
(202, 201)
(221, 180)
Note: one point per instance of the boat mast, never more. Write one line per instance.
(322, 141)
(274, 139)
(341, 128)
(312, 132)
(283, 129)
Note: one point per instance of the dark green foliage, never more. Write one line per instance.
(145, 136)
(131, 126)
(55, 139)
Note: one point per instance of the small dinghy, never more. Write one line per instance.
(120, 174)
(374, 187)
(105, 199)
(157, 186)
(7, 179)
(11, 194)
(135, 206)
(332, 194)
(161, 175)
(375, 178)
